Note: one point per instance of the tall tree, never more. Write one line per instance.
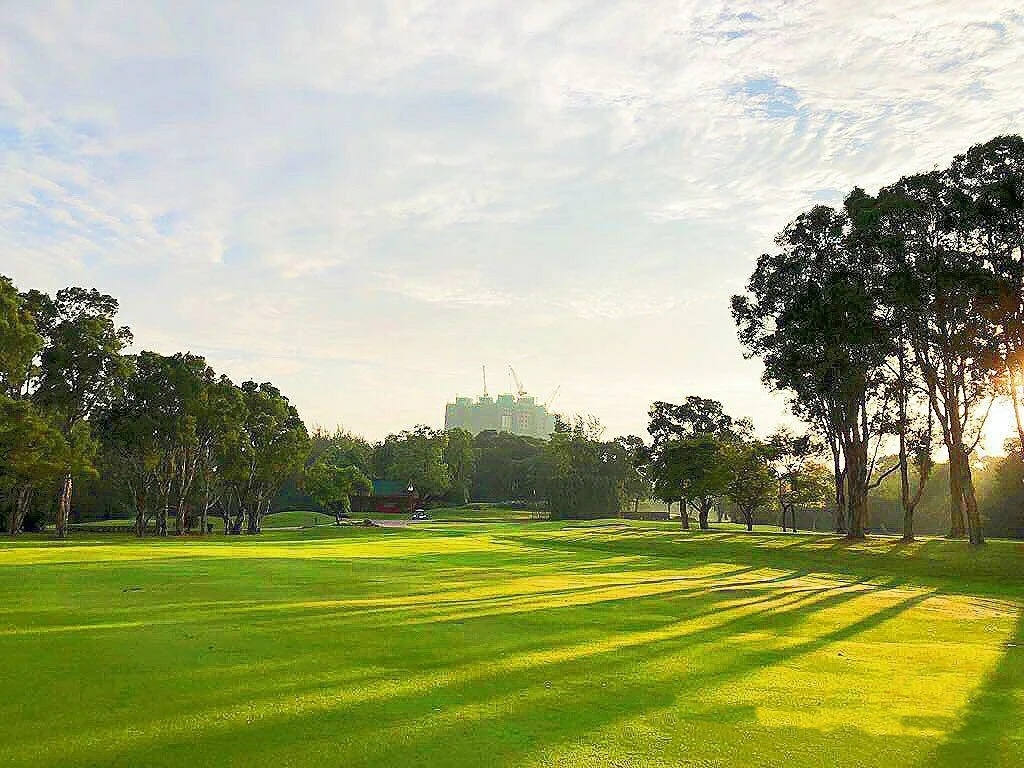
(923, 226)
(416, 457)
(811, 315)
(272, 448)
(80, 365)
(989, 178)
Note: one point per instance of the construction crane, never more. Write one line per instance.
(552, 397)
(519, 385)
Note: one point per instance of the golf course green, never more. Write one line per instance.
(511, 644)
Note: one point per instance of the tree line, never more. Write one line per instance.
(163, 435)
(892, 323)
(899, 317)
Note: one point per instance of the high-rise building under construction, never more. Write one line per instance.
(519, 414)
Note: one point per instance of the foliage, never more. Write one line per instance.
(416, 457)
(583, 476)
(331, 483)
(751, 484)
(19, 341)
(507, 467)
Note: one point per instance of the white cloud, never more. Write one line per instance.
(417, 185)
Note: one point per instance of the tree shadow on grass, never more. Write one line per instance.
(932, 563)
(499, 728)
(991, 729)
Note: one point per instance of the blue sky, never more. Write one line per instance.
(365, 201)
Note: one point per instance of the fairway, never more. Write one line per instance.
(518, 644)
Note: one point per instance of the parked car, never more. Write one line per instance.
(420, 514)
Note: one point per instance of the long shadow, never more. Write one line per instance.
(984, 573)
(991, 730)
(225, 696)
(512, 733)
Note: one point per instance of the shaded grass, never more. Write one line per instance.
(545, 644)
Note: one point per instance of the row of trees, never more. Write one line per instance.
(899, 317)
(706, 460)
(573, 474)
(161, 435)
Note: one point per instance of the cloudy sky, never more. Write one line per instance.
(365, 201)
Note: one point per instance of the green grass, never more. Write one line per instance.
(594, 644)
(295, 520)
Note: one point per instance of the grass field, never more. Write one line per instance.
(510, 645)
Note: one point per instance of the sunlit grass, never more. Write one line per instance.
(546, 644)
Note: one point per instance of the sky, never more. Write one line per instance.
(364, 202)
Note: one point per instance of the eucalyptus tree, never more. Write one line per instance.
(80, 365)
(811, 314)
(31, 446)
(944, 290)
(35, 456)
(272, 446)
(136, 430)
(989, 181)
(221, 424)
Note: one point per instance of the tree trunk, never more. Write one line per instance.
(976, 535)
(908, 506)
(1014, 379)
(703, 512)
(684, 514)
(749, 516)
(839, 478)
(182, 518)
(20, 510)
(856, 488)
(64, 507)
(957, 527)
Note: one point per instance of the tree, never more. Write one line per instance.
(416, 457)
(459, 457)
(35, 456)
(751, 484)
(272, 446)
(507, 467)
(811, 315)
(636, 483)
(581, 474)
(686, 463)
(19, 341)
(80, 364)
(331, 485)
(944, 289)
(990, 179)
